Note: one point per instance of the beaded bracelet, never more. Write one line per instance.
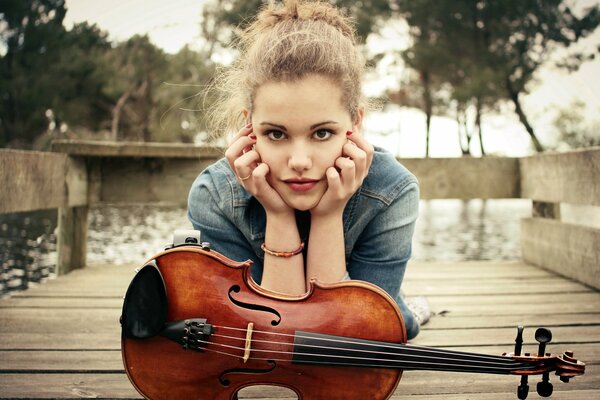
(282, 253)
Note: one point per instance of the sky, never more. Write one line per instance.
(172, 24)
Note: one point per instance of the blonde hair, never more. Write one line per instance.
(287, 43)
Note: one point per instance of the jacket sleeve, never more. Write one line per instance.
(384, 247)
(211, 211)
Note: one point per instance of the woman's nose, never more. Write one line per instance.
(299, 159)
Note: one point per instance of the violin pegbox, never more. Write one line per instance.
(565, 366)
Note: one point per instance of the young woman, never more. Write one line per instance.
(300, 191)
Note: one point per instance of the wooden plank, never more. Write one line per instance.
(67, 386)
(503, 336)
(19, 320)
(31, 180)
(61, 361)
(558, 395)
(569, 250)
(495, 286)
(570, 177)
(149, 180)
(472, 270)
(92, 148)
(422, 383)
(466, 177)
(72, 239)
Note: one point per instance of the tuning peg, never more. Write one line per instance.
(519, 340)
(543, 336)
(523, 388)
(544, 388)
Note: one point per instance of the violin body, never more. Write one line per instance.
(202, 283)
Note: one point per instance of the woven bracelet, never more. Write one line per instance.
(282, 253)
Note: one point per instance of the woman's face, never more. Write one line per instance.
(300, 129)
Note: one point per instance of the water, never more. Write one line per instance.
(447, 230)
(27, 249)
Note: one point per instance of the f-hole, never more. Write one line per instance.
(256, 307)
(246, 371)
(274, 391)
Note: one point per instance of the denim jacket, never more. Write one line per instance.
(378, 221)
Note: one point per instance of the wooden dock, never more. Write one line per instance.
(61, 340)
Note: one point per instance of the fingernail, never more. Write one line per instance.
(348, 133)
(253, 137)
(249, 125)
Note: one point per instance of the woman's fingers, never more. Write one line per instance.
(241, 144)
(348, 170)
(245, 164)
(245, 131)
(358, 147)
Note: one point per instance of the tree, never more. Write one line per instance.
(497, 46)
(183, 99)
(572, 128)
(51, 78)
(139, 68)
(29, 32)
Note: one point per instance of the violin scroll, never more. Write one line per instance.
(565, 366)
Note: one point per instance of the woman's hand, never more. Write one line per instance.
(346, 176)
(251, 173)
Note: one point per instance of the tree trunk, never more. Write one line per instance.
(478, 124)
(428, 108)
(514, 96)
(116, 115)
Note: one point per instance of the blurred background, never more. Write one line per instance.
(453, 78)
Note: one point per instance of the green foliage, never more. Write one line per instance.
(487, 52)
(29, 33)
(574, 131)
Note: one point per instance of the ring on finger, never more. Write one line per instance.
(245, 178)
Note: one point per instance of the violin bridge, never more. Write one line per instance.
(248, 342)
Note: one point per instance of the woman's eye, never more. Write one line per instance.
(275, 135)
(322, 134)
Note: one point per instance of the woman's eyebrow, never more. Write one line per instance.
(311, 127)
(272, 124)
(322, 123)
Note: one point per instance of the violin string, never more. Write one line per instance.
(432, 368)
(401, 363)
(408, 347)
(502, 359)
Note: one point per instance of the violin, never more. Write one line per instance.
(196, 325)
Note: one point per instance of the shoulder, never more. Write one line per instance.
(388, 179)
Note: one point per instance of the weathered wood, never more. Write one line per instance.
(572, 177)
(92, 148)
(72, 352)
(424, 383)
(569, 250)
(31, 180)
(149, 180)
(466, 177)
(72, 239)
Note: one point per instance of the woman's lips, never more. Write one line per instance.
(301, 185)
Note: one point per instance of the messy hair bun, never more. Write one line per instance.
(286, 43)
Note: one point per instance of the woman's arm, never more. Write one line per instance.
(283, 274)
(326, 259)
(280, 274)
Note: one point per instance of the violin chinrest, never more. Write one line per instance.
(145, 304)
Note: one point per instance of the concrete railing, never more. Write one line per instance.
(83, 173)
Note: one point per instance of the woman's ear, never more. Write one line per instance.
(247, 116)
(357, 124)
